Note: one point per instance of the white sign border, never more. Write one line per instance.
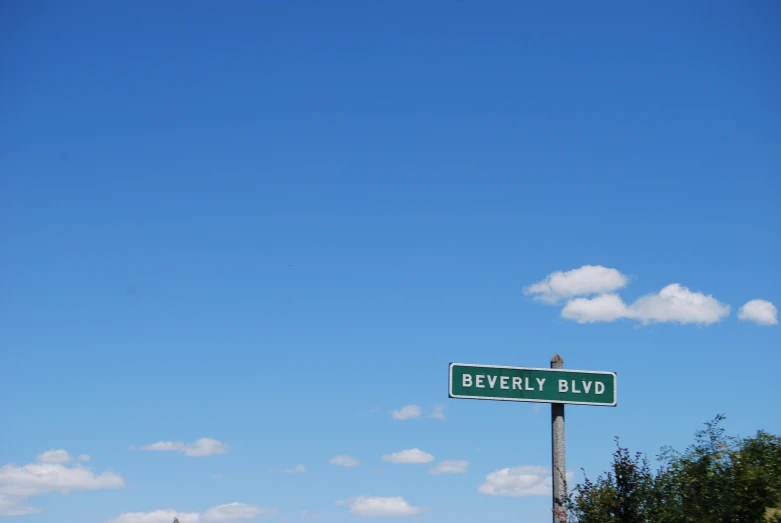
(524, 400)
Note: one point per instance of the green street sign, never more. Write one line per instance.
(493, 382)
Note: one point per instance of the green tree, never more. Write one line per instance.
(718, 479)
(722, 479)
(624, 494)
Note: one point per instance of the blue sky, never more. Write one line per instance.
(245, 234)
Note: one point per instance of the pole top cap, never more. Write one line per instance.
(556, 359)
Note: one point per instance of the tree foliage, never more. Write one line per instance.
(718, 479)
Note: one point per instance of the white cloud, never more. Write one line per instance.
(408, 412)
(759, 311)
(376, 506)
(199, 448)
(220, 513)
(235, 511)
(676, 303)
(527, 480)
(344, 461)
(292, 470)
(42, 478)
(17, 483)
(158, 516)
(607, 307)
(439, 413)
(13, 507)
(56, 457)
(585, 281)
(409, 456)
(590, 294)
(453, 466)
(673, 304)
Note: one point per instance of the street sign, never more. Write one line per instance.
(493, 382)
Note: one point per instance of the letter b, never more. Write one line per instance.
(466, 380)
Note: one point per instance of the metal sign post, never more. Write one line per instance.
(558, 454)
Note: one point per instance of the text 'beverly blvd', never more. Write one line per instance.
(529, 384)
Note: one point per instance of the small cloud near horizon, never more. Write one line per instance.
(199, 448)
(409, 456)
(761, 312)
(408, 412)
